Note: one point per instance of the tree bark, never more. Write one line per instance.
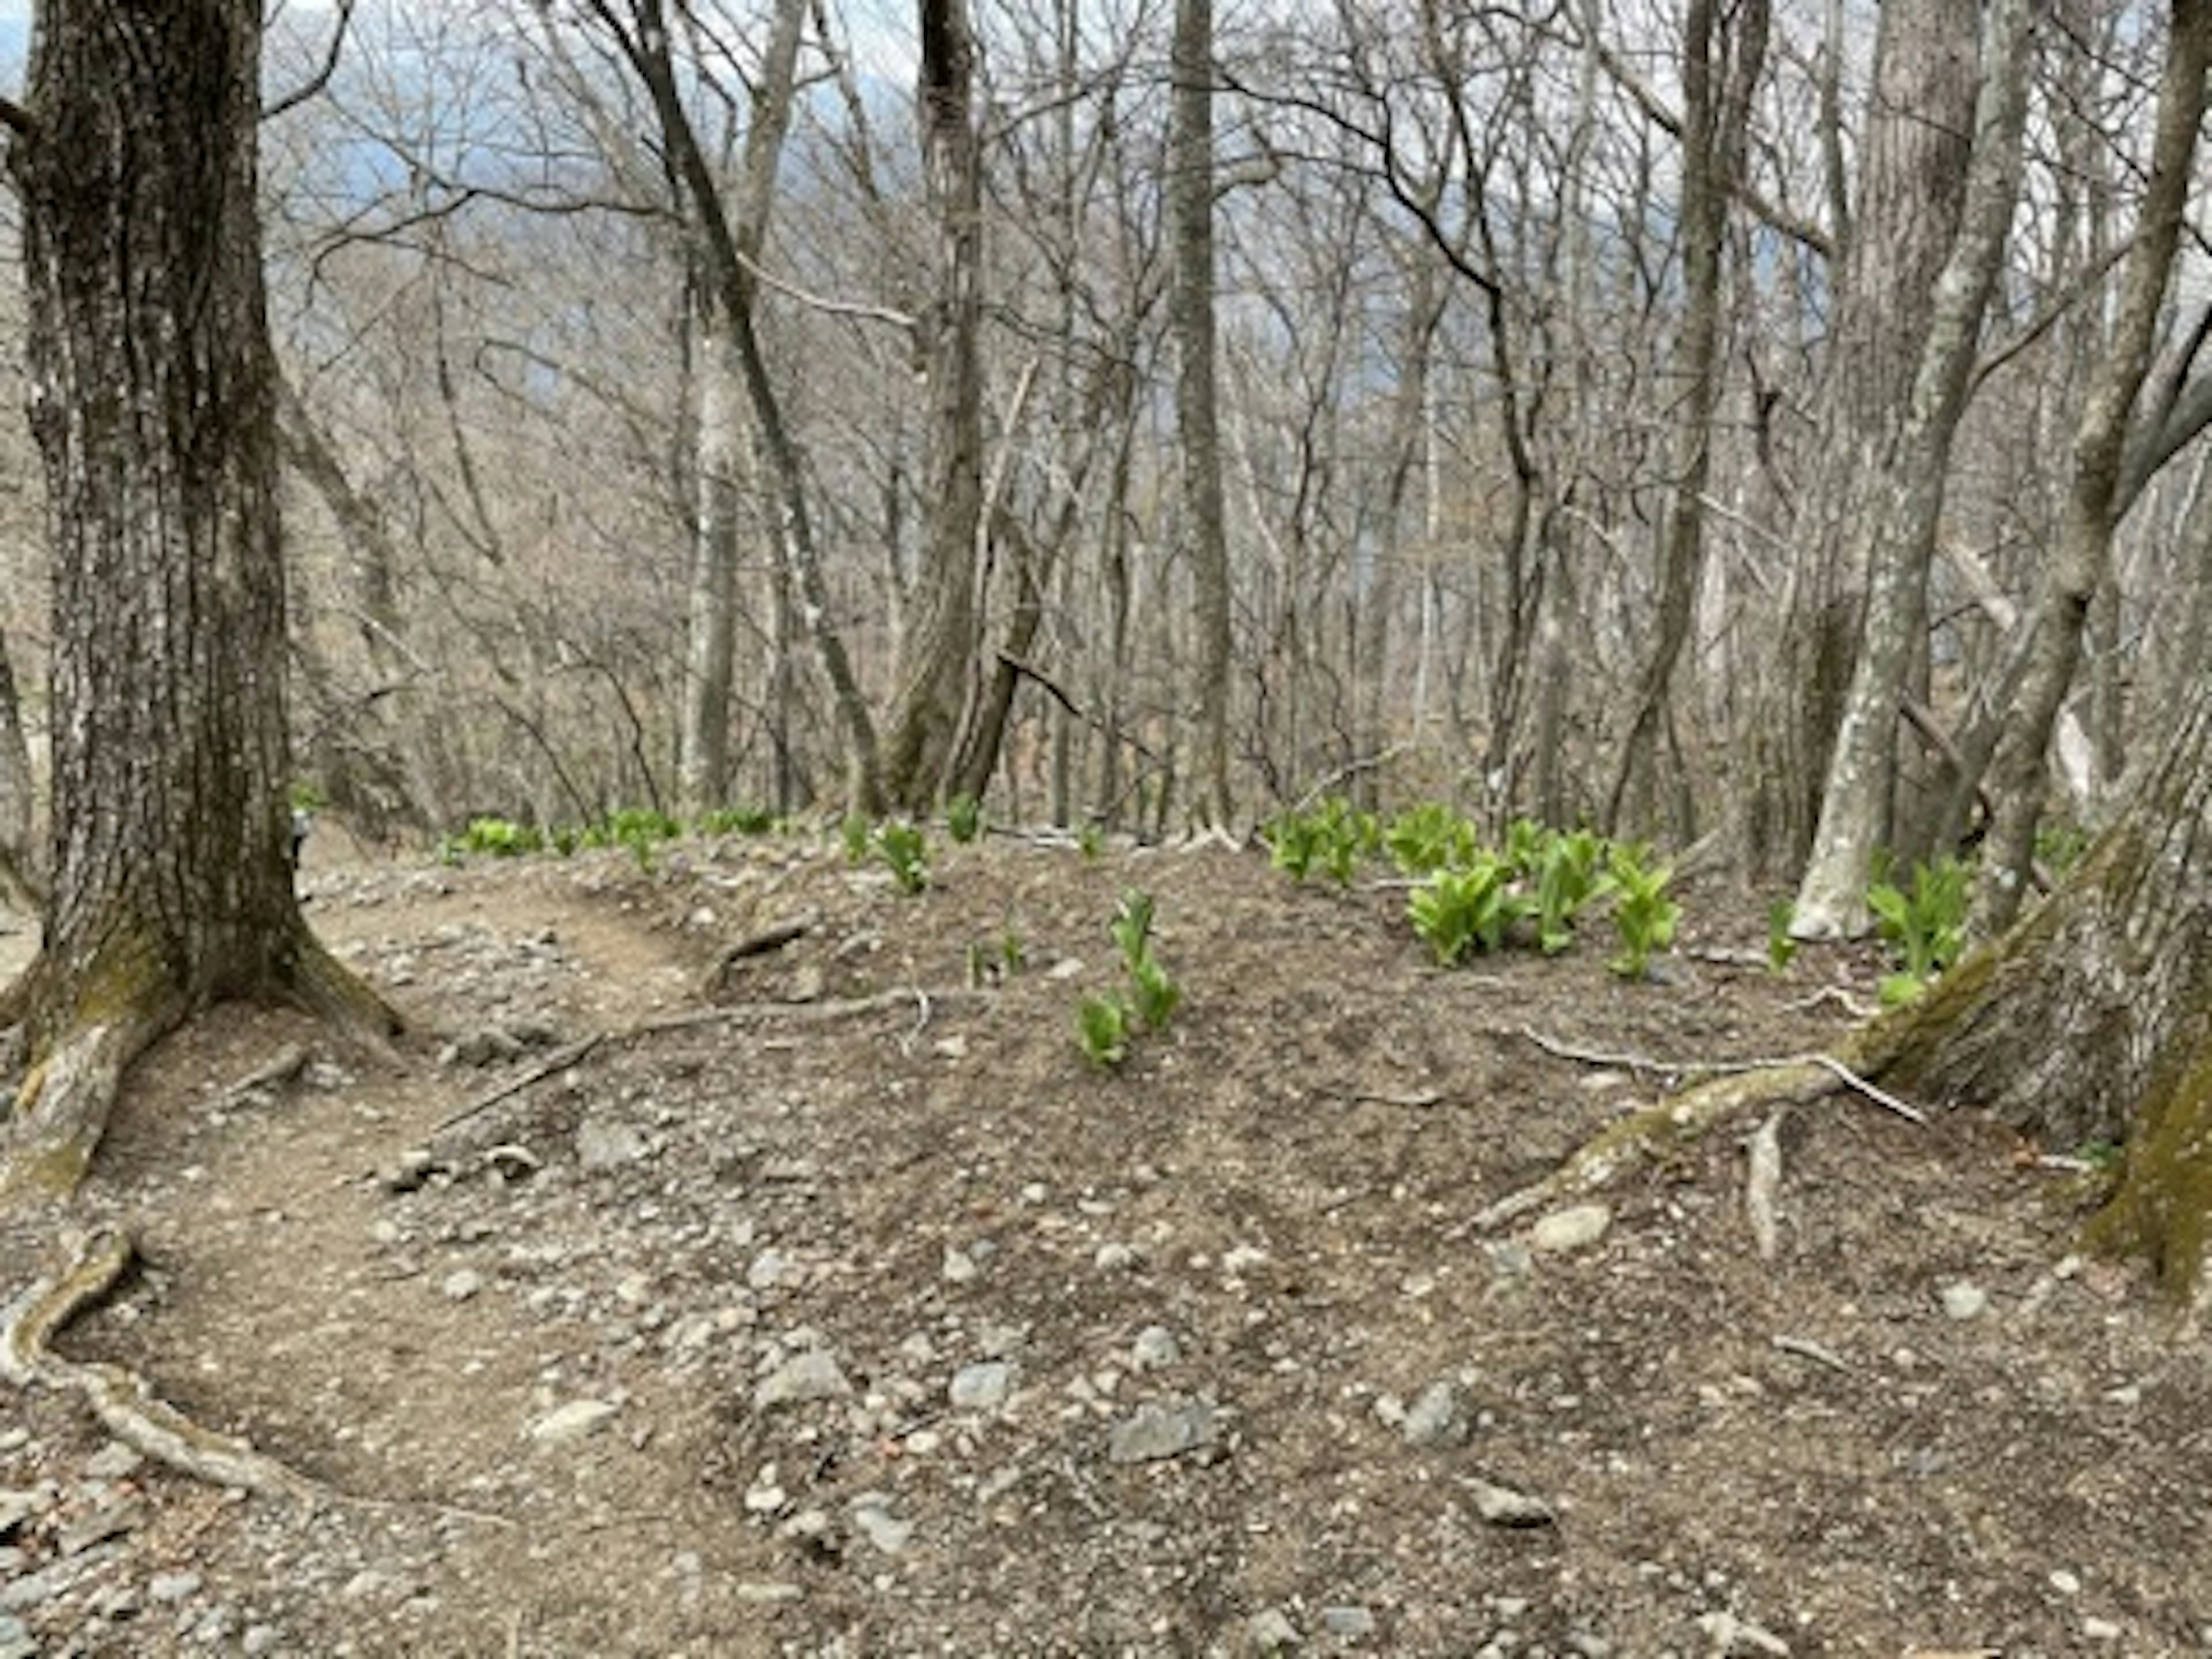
(154, 407)
(1905, 504)
(1205, 534)
(939, 665)
(2099, 494)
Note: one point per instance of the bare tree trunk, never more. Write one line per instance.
(2102, 489)
(1898, 532)
(1716, 93)
(155, 408)
(22, 861)
(938, 664)
(1205, 534)
(1915, 153)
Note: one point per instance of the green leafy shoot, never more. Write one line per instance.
(1334, 836)
(1157, 995)
(499, 838)
(1091, 842)
(1526, 841)
(1427, 838)
(858, 833)
(963, 817)
(1475, 908)
(905, 849)
(1569, 873)
(1101, 1025)
(1781, 947)
(1924, 926)
(1293, 843)
(1131, 926)
(735, 820)
(1643, 916)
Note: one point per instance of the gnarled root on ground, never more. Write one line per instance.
(122, 1400)
(1645, 1136)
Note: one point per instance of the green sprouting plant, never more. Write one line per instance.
(1293, 843)
(1643, 914)
(963, 817)
(1091, 841)
(640, 829)
(1131, 926)
(1925, 927)
(857, 833)
(306, 796)
(1427, 838)
(1526, 841)
(1333, 835)
(1780, 944)
(1101, 1025)
(735, 820)
(1569, 872)
(1158, 994)
(992, 960)
(905, 849)
(499, 838)
(1474, 906)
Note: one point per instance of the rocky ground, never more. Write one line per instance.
(826, 1300)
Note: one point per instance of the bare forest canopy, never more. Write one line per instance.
(1542, 337)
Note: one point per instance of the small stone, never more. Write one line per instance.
(1588, 1646)
(1963, 1301)
(959, 1266)
(258, 1640)
(2094, 1629)
(461, 1284)
(1575, 1228)
(1155, 1346)
(173, 1586)
(604, 1146)
(2065, 1582)
(1435, 1419)
(109, 1520)
(952, 1048)
(871, 1515)
(114, 1461)
(1115, 1257)
(982, 1387)
(1242, 1259)
(15, 1641)
(1737, 1638)
(572, 1421)
(1502, 1506)
(1160, 1430)
(761, 1594)
(1272, 1631)
(814, 1374)
(769, 1269)
(1348, 1623)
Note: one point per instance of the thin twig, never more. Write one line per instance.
(1829, 1063)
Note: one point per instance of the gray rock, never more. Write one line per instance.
(572, 1421)
(460, 1284)
(1738, 1638)
(173, 1586)
(1963, 1301)
(15, 1641)
(1502, 1506)
(1161, 1429)
(608, 1146)
(1156, 1345)
(1271, 1631)
(2094, 1629)
(882, 1529)
(1435, 1419)
(983, 1387)
(1575, 1228)
(814, 1374)
(17, 1506)
(257, 1640)
(1350, 1623)
(770, 1268)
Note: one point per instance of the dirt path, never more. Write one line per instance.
(878, 1322)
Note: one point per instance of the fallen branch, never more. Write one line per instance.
(1762, 1182)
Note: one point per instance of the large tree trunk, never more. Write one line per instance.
(2091, 1022)
(1895, 535)
(153, 406)
(1205, 534)
(1916, 149)
(938, 672)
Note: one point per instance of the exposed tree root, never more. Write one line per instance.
(125, 1403)
(62, 1106)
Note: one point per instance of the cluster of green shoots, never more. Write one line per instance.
(1106, 1024)
(640, 829)
(900, 845)
(1473, 898)
(1923, 922)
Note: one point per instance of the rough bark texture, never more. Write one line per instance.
(1913, 174)
(1198, 424)
(22, 866)
(2096, 500)
(153, 406)
(939, 652)
(2091, 1022)
(1896, 537)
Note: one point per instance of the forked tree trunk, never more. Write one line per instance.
(153, 406)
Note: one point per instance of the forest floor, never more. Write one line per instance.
(834, 1303)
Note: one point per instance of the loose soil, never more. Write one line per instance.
(526, 1300)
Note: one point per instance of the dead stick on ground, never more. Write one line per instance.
(1633, 1062)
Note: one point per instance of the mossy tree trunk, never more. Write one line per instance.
(2091, 1021)
(154, 407)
